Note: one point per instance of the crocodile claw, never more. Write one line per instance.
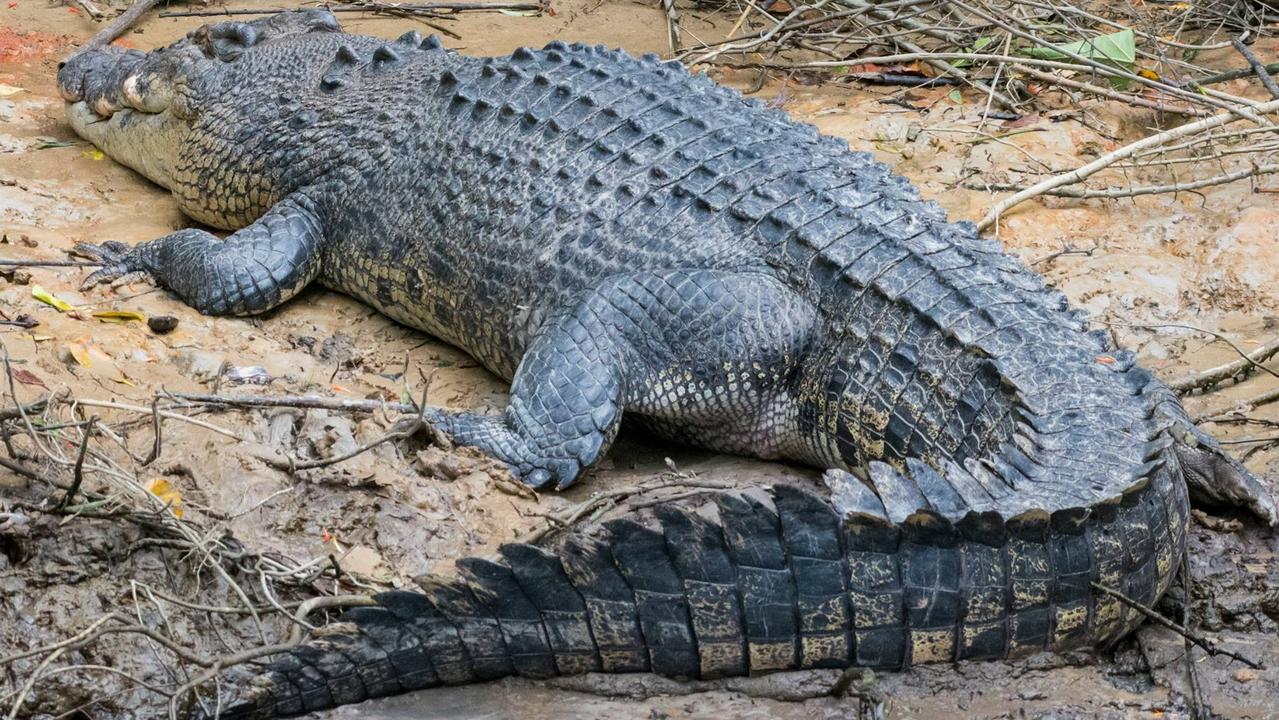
(119, 264)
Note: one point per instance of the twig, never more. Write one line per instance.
(1257, 67)
(48, 263)
(296, 401)
(54, 653)
(1192, 675)
(78, 472)
(1250, 113)
(672, 26)
(1208, 646)
(406, 428)
(91, 9)
(1251, 403)
(1100, 91)
(162, 413)
(119, 26)
(1081, 173)
(1229, 75)
(452, 7)
(1136, 191)
(1212, 376)
(1064, 251)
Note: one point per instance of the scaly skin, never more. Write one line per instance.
(617, 236)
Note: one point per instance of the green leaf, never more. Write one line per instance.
(1117, 49)
(48, 142)
(956, 96)
(977, 47)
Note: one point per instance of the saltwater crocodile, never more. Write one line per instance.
(615, 235)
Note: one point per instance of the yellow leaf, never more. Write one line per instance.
(119, 316)
(80, 352)
(48, 298)
(93, 154)
(36, 338)
(7, 90)
(168, 494)
(1148, 74)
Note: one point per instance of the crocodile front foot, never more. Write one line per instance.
(120, 264)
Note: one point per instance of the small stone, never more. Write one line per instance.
(199, 365)
(162, 324)
(17, 276)
(1245, 675)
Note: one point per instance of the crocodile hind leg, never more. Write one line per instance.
(703, 348)
(255, 269)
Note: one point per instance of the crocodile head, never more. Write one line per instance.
(139, 107)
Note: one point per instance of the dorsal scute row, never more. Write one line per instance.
(350, 63)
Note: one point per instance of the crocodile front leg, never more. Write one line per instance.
(255, 269)
(706, 354)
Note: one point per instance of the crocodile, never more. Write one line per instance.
(614, 235)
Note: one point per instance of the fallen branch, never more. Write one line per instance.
(451, 7)
(296, 401)
(163, 413)
(1258, 68)
(1208, 646)
(48, 263)
(118, 27)
(1081, 173)
(1136, 191)
(1212, 376)
(1249, 404)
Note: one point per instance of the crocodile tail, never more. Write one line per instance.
(766, 581)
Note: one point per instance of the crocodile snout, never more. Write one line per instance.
(96, 76)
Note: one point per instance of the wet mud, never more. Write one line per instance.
(1151, 269)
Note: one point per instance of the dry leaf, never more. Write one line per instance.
(168, 494)
(93, 154)
(80, 352)
(119, 316)
(26, 377)
(87, 353)
(48, 298)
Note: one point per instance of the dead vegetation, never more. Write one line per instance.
(1021, 58)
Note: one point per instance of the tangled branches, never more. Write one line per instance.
(82, 469)
(1022, 56)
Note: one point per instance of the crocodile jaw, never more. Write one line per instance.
(146, 142)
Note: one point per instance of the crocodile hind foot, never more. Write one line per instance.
(665, 344)
(1216, 479)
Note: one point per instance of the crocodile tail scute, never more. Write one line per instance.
(754, 583)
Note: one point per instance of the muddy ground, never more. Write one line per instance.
(1207, 260)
